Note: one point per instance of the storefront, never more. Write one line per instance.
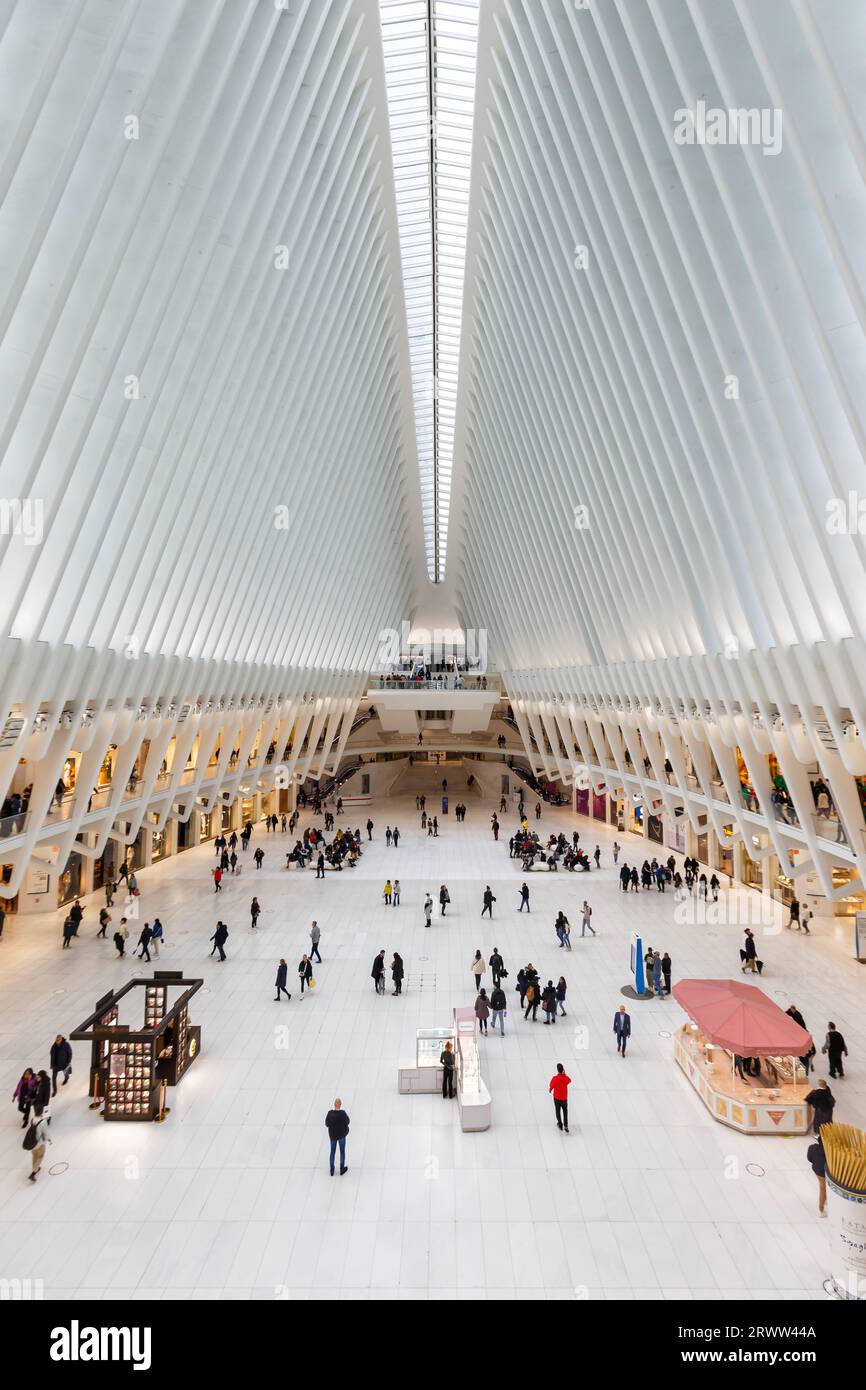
(753, 870)
(184, 834)
(205, 831)
(69, 882)
(675, 835)
(726, 857)
(599, 806)
(158, 845)
(634, 812)
(227, 818)
(655, 829)
(701, 848)
(581, 800)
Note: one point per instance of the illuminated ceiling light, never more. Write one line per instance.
(431, 49)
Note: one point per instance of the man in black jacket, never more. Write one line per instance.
(219, 939)
(834, 1046)
(496, 966)
(337, 1125)
(60, 1060)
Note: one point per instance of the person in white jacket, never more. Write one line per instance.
(39, 1123)
(478, 968)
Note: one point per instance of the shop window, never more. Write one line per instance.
(69, 882)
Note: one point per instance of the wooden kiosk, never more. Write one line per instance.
(131, 1067)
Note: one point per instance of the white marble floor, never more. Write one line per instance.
(231, 1197)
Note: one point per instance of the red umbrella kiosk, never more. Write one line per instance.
(732, 1022)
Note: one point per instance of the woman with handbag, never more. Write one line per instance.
(305, 973)
(444, 898)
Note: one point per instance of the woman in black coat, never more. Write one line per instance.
(305, 972)
(397, 973)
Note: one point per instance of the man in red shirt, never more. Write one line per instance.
(559, 1086)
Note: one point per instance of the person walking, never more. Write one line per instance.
(561, 990)
(259, 856)
(120, 937)
(255, 913)
(396, 836)
(337, 1125)
(794, 917)
(36, 1140)
(388, 836)
(369, 830)
(586, 924)
(444, 898)
(489, 900)
(478, 968)
(68, 933)
(388, 892)
(377, 974)
(60, 1060)
(559, 1085)
(428, 911)
(834, 1047)
(615, 853)
(217, 879)
(144, 942)
(219, 939)
(817, 1159)
(315, 937)
(305, 972)
(396, 897)
(156, 936)
(749, 953)
(622, 1028)
(497, 966)
(25, 1094)
(397, 973)
(104, 922)
(482, 1010)
(805, 918)
(821, 1102)
(597, 856)
(562, 929)
(446, 1060)
(524, 898)
(498, 1005)
(280, 981)
(109, 887)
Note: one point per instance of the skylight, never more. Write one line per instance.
(431, 51)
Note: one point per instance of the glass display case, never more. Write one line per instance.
(468, 1064)
(429, 1043)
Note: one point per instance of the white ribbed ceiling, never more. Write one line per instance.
(202, 351)
(260, 362)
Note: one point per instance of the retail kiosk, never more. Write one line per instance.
(730, 1020)
(424, 1075)
(130, 1067)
